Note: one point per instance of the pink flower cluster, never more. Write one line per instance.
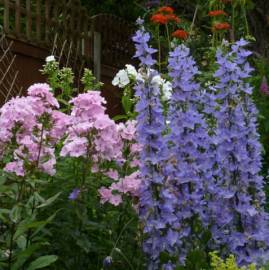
(128, 134)
(30, 127)
(128, 185)
(92, 133)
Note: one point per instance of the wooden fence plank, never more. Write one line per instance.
(28, 19)
(47, 20)
(97, 55)
(38, 20)
(6, 16)
(17, 18)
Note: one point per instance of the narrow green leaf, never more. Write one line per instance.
(119, 117)
(50, 200)
(23, 256)
(15, 214)
(23, 227)
(49, 219)
(42, 262)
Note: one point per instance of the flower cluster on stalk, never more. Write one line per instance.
(196, 174)
(239, 221)
(190, 151)
(155, 193)
(30, 128)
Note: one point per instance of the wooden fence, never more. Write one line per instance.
(63, 28)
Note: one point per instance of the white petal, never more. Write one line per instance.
(50, 58)
(131, 70)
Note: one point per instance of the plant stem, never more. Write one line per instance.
(168, 36)
(40, 145)
(37, 164)
(13, 227)
(120, 234)
(233, 21)
(194, 18)
(245, 18)
(159, 49)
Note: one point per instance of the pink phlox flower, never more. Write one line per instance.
(128, 130)
(264, 88)
(88, 105)
(42, 90)
(115, 200)
(82, 128)
(74, 147)
(60, 121)
(129, 184)
(15, 167)
(107, 196)
(113, 174)
(135, 148)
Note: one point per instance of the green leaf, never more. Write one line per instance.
(23, 256)
(126, 103)
(119, 117)
(38, 225)
(50, 200)
(49, 219)
(3, 214)
(15, 214)
(24, 226)
(42, 262)
(63, 101)
(3, 179)
(21, 242)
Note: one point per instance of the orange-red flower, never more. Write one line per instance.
(159, 19)
(221, 26)
(180, 34)
(166, 9)
(215, 13)
(172, 18)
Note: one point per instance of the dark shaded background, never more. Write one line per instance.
(258, 14)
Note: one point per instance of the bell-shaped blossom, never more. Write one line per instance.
(189, 170)
(150, 127)
(238, 222)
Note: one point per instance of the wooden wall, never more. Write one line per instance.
(35, 29)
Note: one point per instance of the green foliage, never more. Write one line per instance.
(129, 10)
(229, 264)
(23, 234)
(89, 81)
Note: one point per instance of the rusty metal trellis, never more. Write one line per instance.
(8, 71)
(63, 28)
(71, 37)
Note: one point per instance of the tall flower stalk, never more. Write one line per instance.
(189, 151)
(150, 127)
(239, 223)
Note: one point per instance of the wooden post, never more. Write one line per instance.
(28, 19)
(38, 20)
(6, 16)
(47, 21)
(97, 55)
(17, 18)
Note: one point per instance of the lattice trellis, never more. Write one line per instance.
(70, 35)
(64, 29)
(117, 47)
(8, 71)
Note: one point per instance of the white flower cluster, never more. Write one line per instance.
(50, 58)
(129, 74)
(125, 76)
(166, 86)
